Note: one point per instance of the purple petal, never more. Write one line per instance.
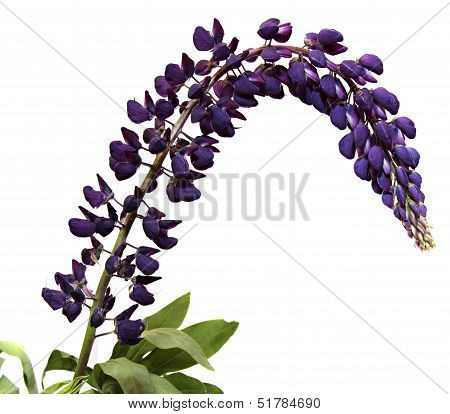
(386, 99)
(141, 295)
(350, 68)
(406, 125)
(174, 74)
(328, 85)
(137, 112)
(268, 29)
(163, 109)
(361, 168)
(284, 33)
(409, 156)
(415, 178)
(217, 31)
(388, 199)
(270, 54)
(129, 332)
(338, 116)
(372, 63)
(162, 86)
(347, 146)
(93, 197)
(54, 298)
(81, 228)
(203, 40)
(150, 226)
(364, 99)
(361, 133)
(318, 58)
(220, 52)
(329, 36)
(146, 264)
(123, 171)
(376, 157)
(297, 73)
(71, 310)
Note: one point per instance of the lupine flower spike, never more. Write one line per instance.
(211, 93)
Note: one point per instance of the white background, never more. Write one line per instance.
(295, 337)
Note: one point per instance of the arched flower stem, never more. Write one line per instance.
(128, 222)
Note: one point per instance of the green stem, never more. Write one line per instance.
(89, 336)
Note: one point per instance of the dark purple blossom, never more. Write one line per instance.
(141, 295)
(271, 29)
(129, 332)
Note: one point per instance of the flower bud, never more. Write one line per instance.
(329, 36)
(372, 63)
(406, 125)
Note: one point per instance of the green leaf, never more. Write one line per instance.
(168, 338)
(66, 387)
(186, 384)
(171, 316)
(210, 335)
(16, 350)
(74, 386)
(52, 389)
(212, 389)
(162, 386)
(7, 387)
(91, 391)
(132, 378)
(59, 360)
(111, 386)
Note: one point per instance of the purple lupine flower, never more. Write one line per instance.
(99, 314)
(377, 142)
(372, 63)
(141, 295)
(98, 198)
(90, 256)
(317, 58)
(271, 29)
(72, 293)
(129, 332)
(386, 99)
(329, 36)
(157, 229)
(405, 125)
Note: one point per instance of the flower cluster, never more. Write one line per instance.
(217, 88)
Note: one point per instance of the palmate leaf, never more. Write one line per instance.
(169, 338)
(171, 316)
(124, 376)
(210, 335)
(16, 350)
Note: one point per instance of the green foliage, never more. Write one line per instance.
(150, 367)
(210, 335)
(16, 350)
(67, 387)
(122, 376)
(144, 368)
(171, 316)
(60, 361)
(168, 338)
